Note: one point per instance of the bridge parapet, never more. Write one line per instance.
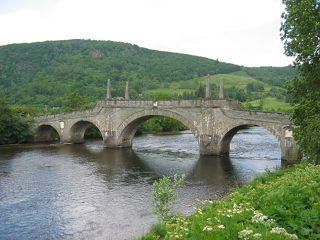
(279, 117)
(140, 104)
(174, 103)
(76, 114)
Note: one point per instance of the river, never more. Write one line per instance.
(54, 191)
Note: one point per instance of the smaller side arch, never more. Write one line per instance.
(46, 133)
(228, 134)
(78, 129)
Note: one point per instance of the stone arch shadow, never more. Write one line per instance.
(127, 128)
(46, 133)
(78, 129)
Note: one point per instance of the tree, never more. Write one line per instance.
(74, 101)
(13, 128)
(300, 32)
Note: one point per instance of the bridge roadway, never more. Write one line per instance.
(212, 122)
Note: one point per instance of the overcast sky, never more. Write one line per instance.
(244, 32)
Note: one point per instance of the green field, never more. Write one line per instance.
(270, 104)
(262, 100)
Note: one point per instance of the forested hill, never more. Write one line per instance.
(44, 73)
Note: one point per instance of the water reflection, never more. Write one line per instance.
(88, 192)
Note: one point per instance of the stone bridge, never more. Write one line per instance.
(212, 122)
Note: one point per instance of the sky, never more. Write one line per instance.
(243, 32)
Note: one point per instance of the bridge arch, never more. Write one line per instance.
(78, 129)
(228, 134)
(46, 133)
(127, 128)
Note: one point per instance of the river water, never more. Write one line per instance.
(88, 192)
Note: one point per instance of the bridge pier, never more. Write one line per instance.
(208, 145)
(290, 152)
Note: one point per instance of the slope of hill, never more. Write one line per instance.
(40, 73)
(45, 73)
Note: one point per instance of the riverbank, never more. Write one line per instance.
(279, 205)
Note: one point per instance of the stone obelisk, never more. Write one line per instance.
(208, 88)
(126, 94)
(109, 96)
(221, 91)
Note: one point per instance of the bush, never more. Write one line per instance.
(164, 193)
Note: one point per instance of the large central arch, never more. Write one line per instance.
(127, 128)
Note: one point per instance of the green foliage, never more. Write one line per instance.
(74, 102)
(157, 231)
(280, 205)
(161, 124)
(255, 87)
(301, 33)
(13, 126)
(275, 76)
(268, 104)
(42, 73)
(164, 193)
(236, 94)
(92, 132)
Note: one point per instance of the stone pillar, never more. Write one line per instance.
(209, 145)
(290, 152)
(221, 91)
(109, 96)
(208, 88)
(126, 95)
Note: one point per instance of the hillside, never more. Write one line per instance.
(45, 73)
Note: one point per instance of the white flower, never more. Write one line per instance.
(282, 231)
(207, 228)
(245, 234)
(257, 235)
(278, 230)
(221, 226)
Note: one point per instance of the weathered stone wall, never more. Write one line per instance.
(213, 123)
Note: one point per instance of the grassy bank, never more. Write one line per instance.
(280, 205)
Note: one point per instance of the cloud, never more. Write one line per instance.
(243, 32)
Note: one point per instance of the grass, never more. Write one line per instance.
(238, 80)
(271, 104)
(280, 205)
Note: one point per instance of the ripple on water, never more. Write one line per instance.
(88, 192)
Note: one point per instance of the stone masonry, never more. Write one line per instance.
(212, 122)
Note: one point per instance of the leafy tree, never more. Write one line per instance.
(74, 101)
(255, 87)
(300, 32)
(13, 128)
(236, 94)
(276, 76)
